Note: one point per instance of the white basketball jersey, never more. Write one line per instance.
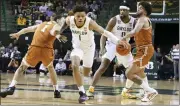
(121, 28)
(81, 36)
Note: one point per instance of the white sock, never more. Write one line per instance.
(129, 83)
(146, 87)
(13, 83)
(114, 73)
(146, 80)
(81, 88)
(86, 78)
(56, 87)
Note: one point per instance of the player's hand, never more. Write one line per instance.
(101, 52)
(123, 39)
(14, 36)
(121, 42)
(63, 39)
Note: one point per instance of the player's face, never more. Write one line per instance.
(140, 11)
(124, 12)
(80, 17)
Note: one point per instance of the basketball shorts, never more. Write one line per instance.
(36, 54)
(143, 55)
(111, 53)
(86, 54)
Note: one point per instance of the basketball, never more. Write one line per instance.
(123, 51)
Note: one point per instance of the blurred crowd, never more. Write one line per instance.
(31, 12)
(168, 63)
(10, 58)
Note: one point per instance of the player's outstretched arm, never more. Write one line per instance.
(139, 25)
(61, 28)
(109, 27)
(102, 31)
(23, 31)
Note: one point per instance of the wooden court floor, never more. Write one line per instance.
(35, 90)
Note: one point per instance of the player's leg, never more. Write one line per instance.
(29, 60)
(47, 57)
(106, 60)
(88, 59)
(76, 56)
(127, 62)
(114, 69)
(142, 59)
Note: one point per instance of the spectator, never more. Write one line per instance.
(158, 57)
(60, 67)
(92, 15)
(175, 57)
(67, 56)
(38, 21)
(94, 6)
(24, 3)
(49, 4)
(70, 5)
(43, 70)
(120, 66)
(49, 12)
(16, 54)
(12, 66)
(59, 8)
(56, 56)
(21, 22)
(43, 8)
(166, 69)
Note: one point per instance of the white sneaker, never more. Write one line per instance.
(141, 93)
(114, 75)
(148, 96)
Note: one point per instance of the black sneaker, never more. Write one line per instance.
(83, 97)
(7, 91)
(57, 94)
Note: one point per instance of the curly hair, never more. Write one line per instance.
(147, 7)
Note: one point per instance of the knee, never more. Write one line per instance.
(75, 66)
(50, 66)
(129, 75)
(22, 67)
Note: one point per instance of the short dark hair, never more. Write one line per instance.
(147, 7)
(79, 8)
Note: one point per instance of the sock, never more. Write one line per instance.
(86, 78)
(13, 83)
(129, 83)
(81, 88)
(56, 87)
(146, 80)
(146, 87)
(91, 89)
(114, 73)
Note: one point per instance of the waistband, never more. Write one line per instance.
(144, 45)
(41, 47)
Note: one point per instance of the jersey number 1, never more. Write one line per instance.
(80, 37)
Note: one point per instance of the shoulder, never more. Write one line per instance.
(68, 19)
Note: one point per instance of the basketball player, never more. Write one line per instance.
(145, 50)
(83, 42)
(119, 26)
(41, 49)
